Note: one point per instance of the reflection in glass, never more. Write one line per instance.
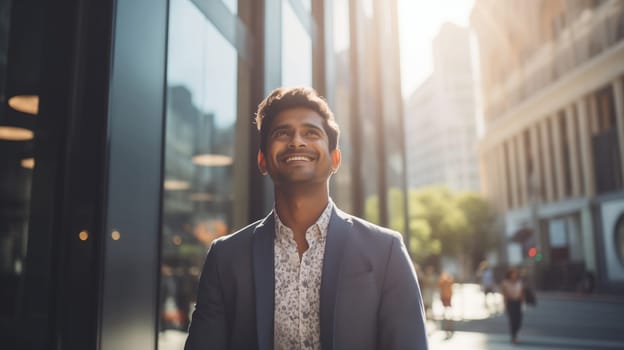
(369, 114)
(232, 5)
(296, 50)
(619, 239)
(307, 4)
(16, 158)
(15, 187)
(199, 155)
(342, 190)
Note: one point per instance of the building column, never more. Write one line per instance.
(498, 178)
(618, 97)
(548, 168)
(502, 176)
(575, 175)
(522, 169)
(587, 158)
(513, 169)
(592, 105)
(536, 182)
(492, 179)
(558, 153)
(485, 176)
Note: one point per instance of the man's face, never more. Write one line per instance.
(297, 149)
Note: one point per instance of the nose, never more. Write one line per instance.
(297, 140)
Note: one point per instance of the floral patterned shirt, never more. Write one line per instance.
(297, 285)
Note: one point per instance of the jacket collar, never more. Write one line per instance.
(264, 280)
(337, 235)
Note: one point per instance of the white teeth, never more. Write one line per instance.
(292, 159)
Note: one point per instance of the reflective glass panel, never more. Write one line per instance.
(619, 239)
(17, 121)
(296, 50)
(16, 167)
(199, 155)
(342, 189)
(232, 5)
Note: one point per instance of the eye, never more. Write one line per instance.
(280, 133)
(313, 132)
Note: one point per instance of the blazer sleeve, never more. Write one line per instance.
(208, 324)
(401, 315)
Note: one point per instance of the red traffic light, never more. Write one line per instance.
(532, 252)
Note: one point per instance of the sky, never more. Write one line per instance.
(419, 22)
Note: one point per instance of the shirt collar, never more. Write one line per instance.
(321, 223)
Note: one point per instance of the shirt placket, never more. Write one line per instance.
(303, 293)
(294, 272)
(306, 279)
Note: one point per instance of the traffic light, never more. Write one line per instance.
(533, 253)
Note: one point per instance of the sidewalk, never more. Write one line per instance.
(601, 298)
(560, 321)
(484, 341)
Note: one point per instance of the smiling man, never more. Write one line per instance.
(308, 276)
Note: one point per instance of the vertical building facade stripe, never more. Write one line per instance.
(587, 159)
(548, 163)
(536, 181)
(618, 96)
(502, 176)
(513, 169)
(522, 169)
(354, 60)
(574, 171)
(558, 153)
(319, 46)
(380, 116)
(130, 271)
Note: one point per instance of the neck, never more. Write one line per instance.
(300, 208)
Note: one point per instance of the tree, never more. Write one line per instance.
(442, 222)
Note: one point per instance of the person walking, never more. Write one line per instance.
(428, 287)
(488, 285)
(445, 287)
(512, 288)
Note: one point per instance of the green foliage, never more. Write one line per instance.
(441, 222)
(371, 209)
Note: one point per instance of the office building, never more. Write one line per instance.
(552, 153)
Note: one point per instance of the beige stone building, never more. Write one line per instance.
(552, 150)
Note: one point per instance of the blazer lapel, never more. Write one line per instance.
(264, 280)
(337, 235)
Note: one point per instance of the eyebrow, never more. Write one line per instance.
(288, 126)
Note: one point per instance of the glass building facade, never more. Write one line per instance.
(127, 146)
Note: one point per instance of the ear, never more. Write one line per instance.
(336, 157)
(261, 163)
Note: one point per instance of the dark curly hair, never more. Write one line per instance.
(282, 99)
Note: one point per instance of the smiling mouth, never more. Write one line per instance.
(297, 159)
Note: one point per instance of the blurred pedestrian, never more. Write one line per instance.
(445, 287)
(488, 284)
(428, 286)
(512, 288)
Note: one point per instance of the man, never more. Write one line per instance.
(307, 276)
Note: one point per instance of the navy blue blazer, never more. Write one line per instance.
(370, 298)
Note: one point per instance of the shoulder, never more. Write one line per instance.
(374, 230)
(369, 232)
(237, 239)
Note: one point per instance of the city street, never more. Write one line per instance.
(558, 322)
